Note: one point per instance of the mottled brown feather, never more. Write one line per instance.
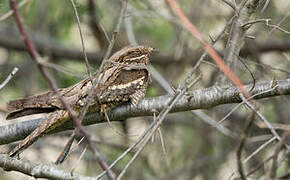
(123, 79)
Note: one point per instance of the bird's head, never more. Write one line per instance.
(133, 55)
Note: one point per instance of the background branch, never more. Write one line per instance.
(46, 46)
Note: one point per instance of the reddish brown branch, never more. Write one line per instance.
(36, 57)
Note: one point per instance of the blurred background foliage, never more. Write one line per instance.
(194, 149)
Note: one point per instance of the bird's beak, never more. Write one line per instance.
(154, 51)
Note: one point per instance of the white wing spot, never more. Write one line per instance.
(123, 86)
(139, 57)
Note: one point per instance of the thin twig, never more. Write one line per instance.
(155, 74)
(129, 28)
(231, 4)
(259, 149)
(166, 86)
(132, 39)
(274, 26)
(116, 31)
(274, 166)
(262, 164)
(95, 82)
(250, 23)
(237, 106)
(66, 149)
(265, 6)
(169, 90)
(128, 150)
(268, 67)
(36, 57)
(79, 159)
(234, 41)
(241, 145)
(62, 69)
(9, 77)
(154, 125)
(202, 115)
(82, 40)
(268, 124)
(209, 120)
(279, 24)
(64, 153)
(160, 119)
(10, 12)
(96, 26)
(194, 31)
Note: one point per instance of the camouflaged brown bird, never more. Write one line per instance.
(123, 79)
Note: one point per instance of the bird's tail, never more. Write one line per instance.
(53, 120)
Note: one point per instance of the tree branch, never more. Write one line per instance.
(38, 170)
(198, 99)
(51, 82)
(235, 41)
(46, 46)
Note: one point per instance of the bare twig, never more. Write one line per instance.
(128, 150)
(82, 40)
(183, 88)
(9, 77)
(234, 41)
(132, 39)
(273, 131)
(79, 159)
(62, 69)
(242, 143)
(193, 30)
(155, 74)
(36, 57)
(38, 170)
(260, 165)
(214, 123)
(259, 149)
(117, 29)
(274, 26)
(279, 24)
(129, 28)
(64, 153)
(268, 67)
(96, 26)
(95, 81)
(231, 4)
(250, 23)
(273, 169)
(237, 106)
(10, 12)
(265, 6)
